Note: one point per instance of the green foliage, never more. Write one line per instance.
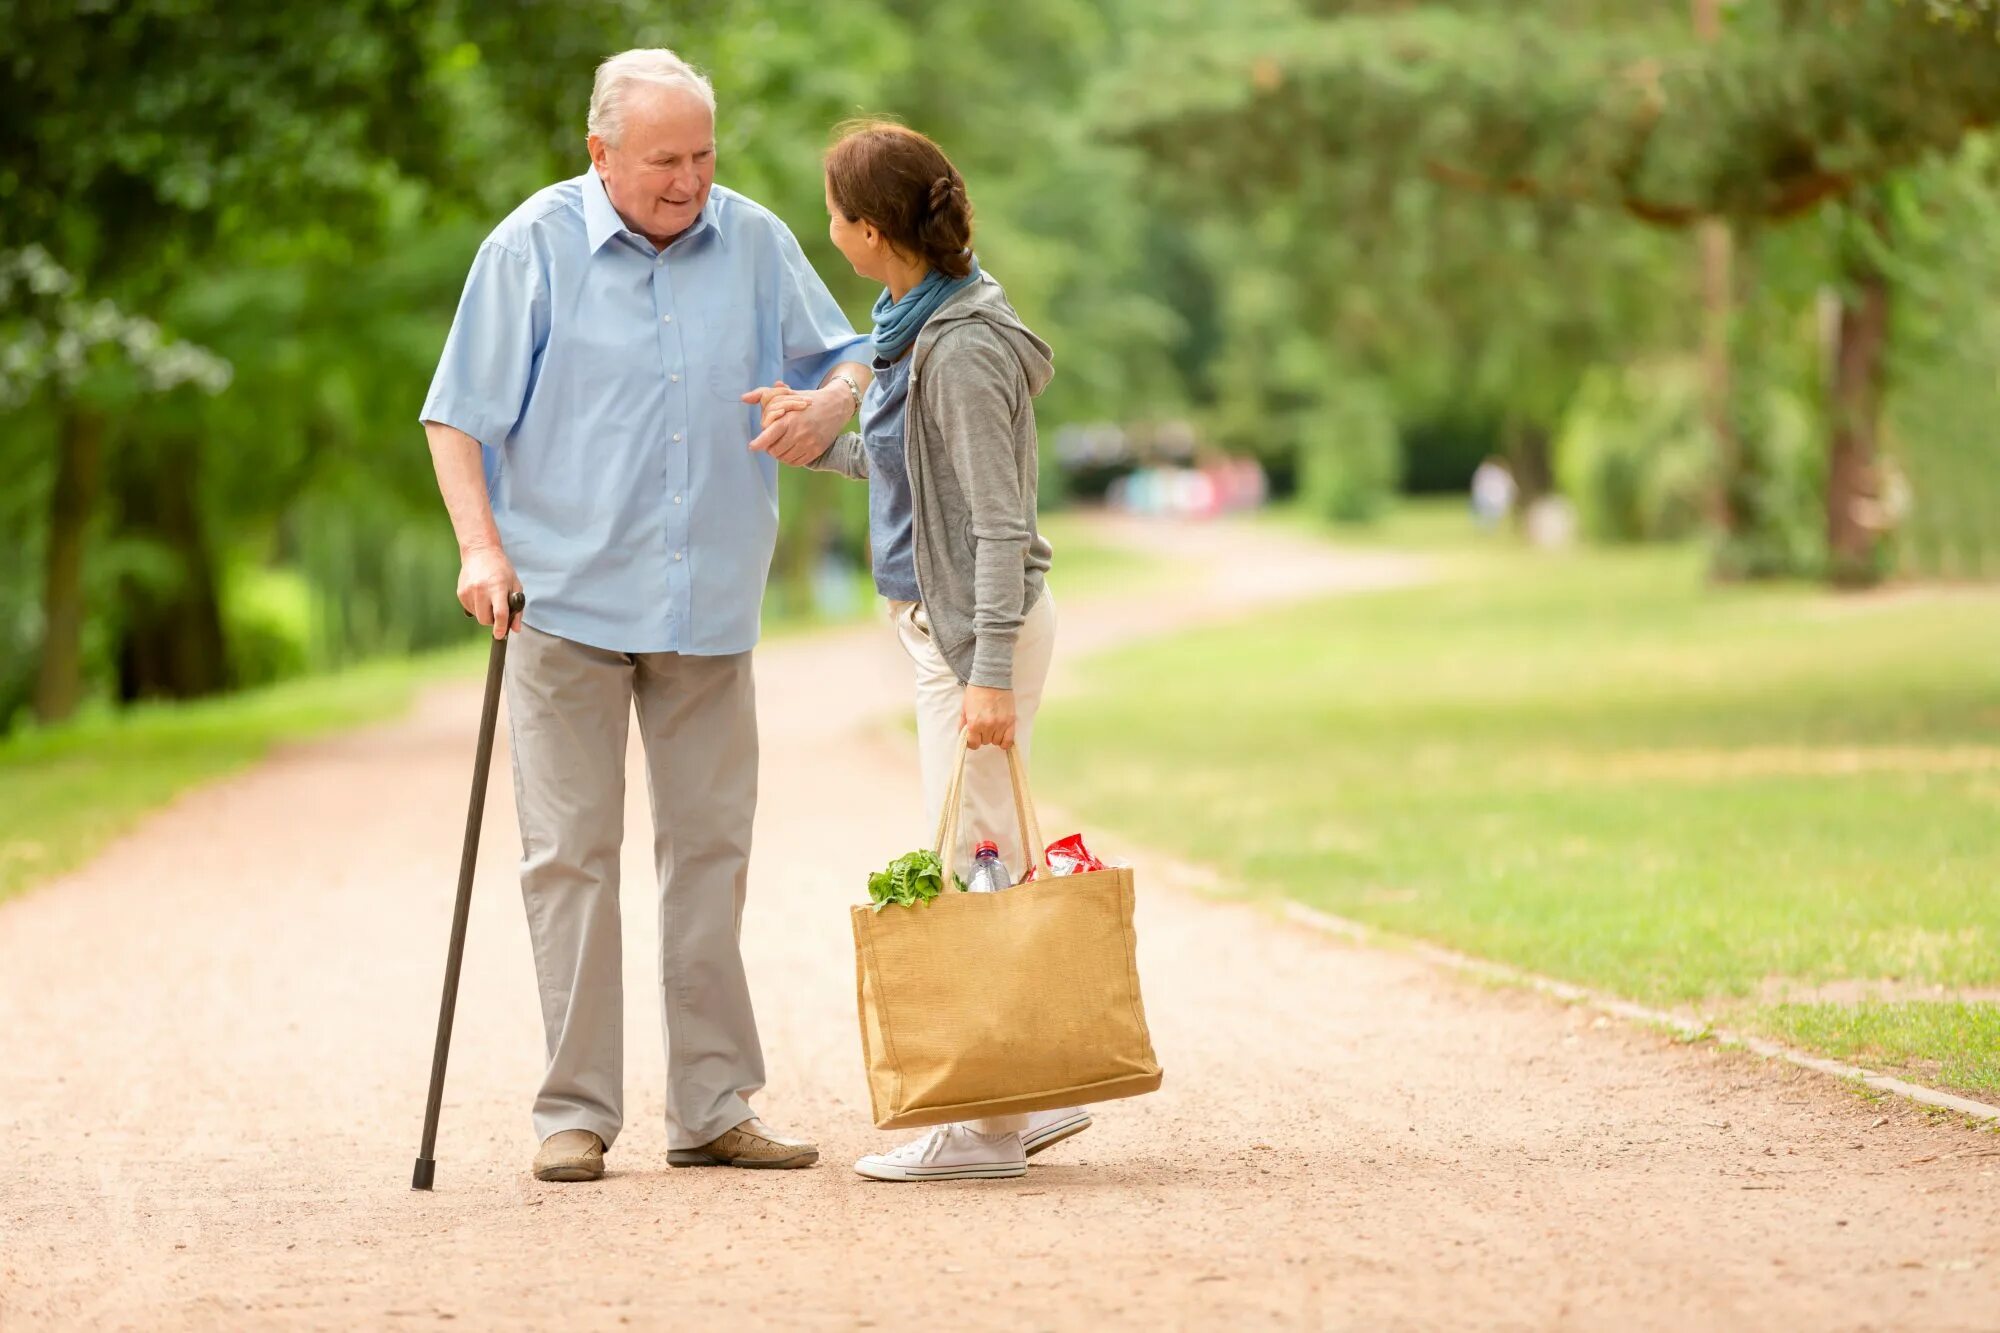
(1779, 409)
(142, 135)
(912, 878)
(1945, 392)
(1443, 196)
(1345, 263)
(1359, 240)
(376, 575)
(1966, 15)
(295, 194)
(268, 624)
(1635, 455)
(54, 338)
(1348, 455)
(1780, 487)
(1626, 110)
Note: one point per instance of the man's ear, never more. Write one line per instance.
(599, 150)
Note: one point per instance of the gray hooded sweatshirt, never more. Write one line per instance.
(969, 444)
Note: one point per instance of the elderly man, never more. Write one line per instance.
(589, 427)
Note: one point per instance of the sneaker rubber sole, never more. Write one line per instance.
(903, 1174)
(1050, 1135)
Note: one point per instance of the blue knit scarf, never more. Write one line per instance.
(897, 323)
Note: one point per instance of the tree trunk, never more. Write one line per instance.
(1529, 459)
(1718, 253)
(79, 476)
(1854, 521)
(1716, 247)
(171, 645)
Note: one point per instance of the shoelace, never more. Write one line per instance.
(925, 1149)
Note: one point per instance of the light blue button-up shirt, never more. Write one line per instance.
(603, 378)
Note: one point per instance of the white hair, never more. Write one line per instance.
(654, 65)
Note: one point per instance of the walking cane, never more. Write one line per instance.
(488, 713)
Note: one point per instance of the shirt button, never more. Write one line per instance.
(666, 319)
(677, 555)
(675, 378)
(677, 499)
(677, 437)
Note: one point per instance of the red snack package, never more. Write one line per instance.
(1068, 856)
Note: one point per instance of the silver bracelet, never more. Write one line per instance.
(852, 387)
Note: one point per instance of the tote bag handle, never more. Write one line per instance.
(1024, 811)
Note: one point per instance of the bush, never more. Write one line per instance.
(1633, 454)
(383, 578)
(1780, 491)
(1349, 454)
(267, 621)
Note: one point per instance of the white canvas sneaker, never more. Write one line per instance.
(1048, 1128)
(949, 1152)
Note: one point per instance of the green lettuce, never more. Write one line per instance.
(912, 878)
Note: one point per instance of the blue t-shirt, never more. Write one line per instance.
(890, 513)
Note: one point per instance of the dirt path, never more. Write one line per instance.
(216, 1038)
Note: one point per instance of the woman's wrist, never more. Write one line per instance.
(849, 383)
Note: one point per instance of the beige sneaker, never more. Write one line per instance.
(751, 1144)
(570, 1154)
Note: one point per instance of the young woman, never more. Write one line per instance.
(947, 446)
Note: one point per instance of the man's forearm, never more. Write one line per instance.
(462, 481)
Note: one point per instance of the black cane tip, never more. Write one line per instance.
(426, 1172)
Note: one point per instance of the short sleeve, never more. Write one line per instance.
(816, 333)
(481, 384)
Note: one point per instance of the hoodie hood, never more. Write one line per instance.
(986, 301)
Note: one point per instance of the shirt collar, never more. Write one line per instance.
(601, 221)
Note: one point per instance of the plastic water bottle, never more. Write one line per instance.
(988, 875)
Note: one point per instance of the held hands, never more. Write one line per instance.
(486, 581)
(989, 717)
(799, 424)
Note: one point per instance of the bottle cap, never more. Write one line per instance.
(985, 847)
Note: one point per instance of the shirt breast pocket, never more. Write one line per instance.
(732, 371)
(729, 345)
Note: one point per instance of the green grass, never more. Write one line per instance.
(1595, 766)
(67, 791)
(1433, 524)
(1947, 1042)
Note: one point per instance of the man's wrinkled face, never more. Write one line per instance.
(660, 171)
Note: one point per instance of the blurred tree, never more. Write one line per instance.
(1629, 112)
(1941, 488)
(138, 141)
(300, 191)
(56, 344)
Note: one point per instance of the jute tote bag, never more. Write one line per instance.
(979, 1004)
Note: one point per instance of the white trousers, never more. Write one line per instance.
(989, 790)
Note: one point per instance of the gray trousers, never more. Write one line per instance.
(569, 707)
